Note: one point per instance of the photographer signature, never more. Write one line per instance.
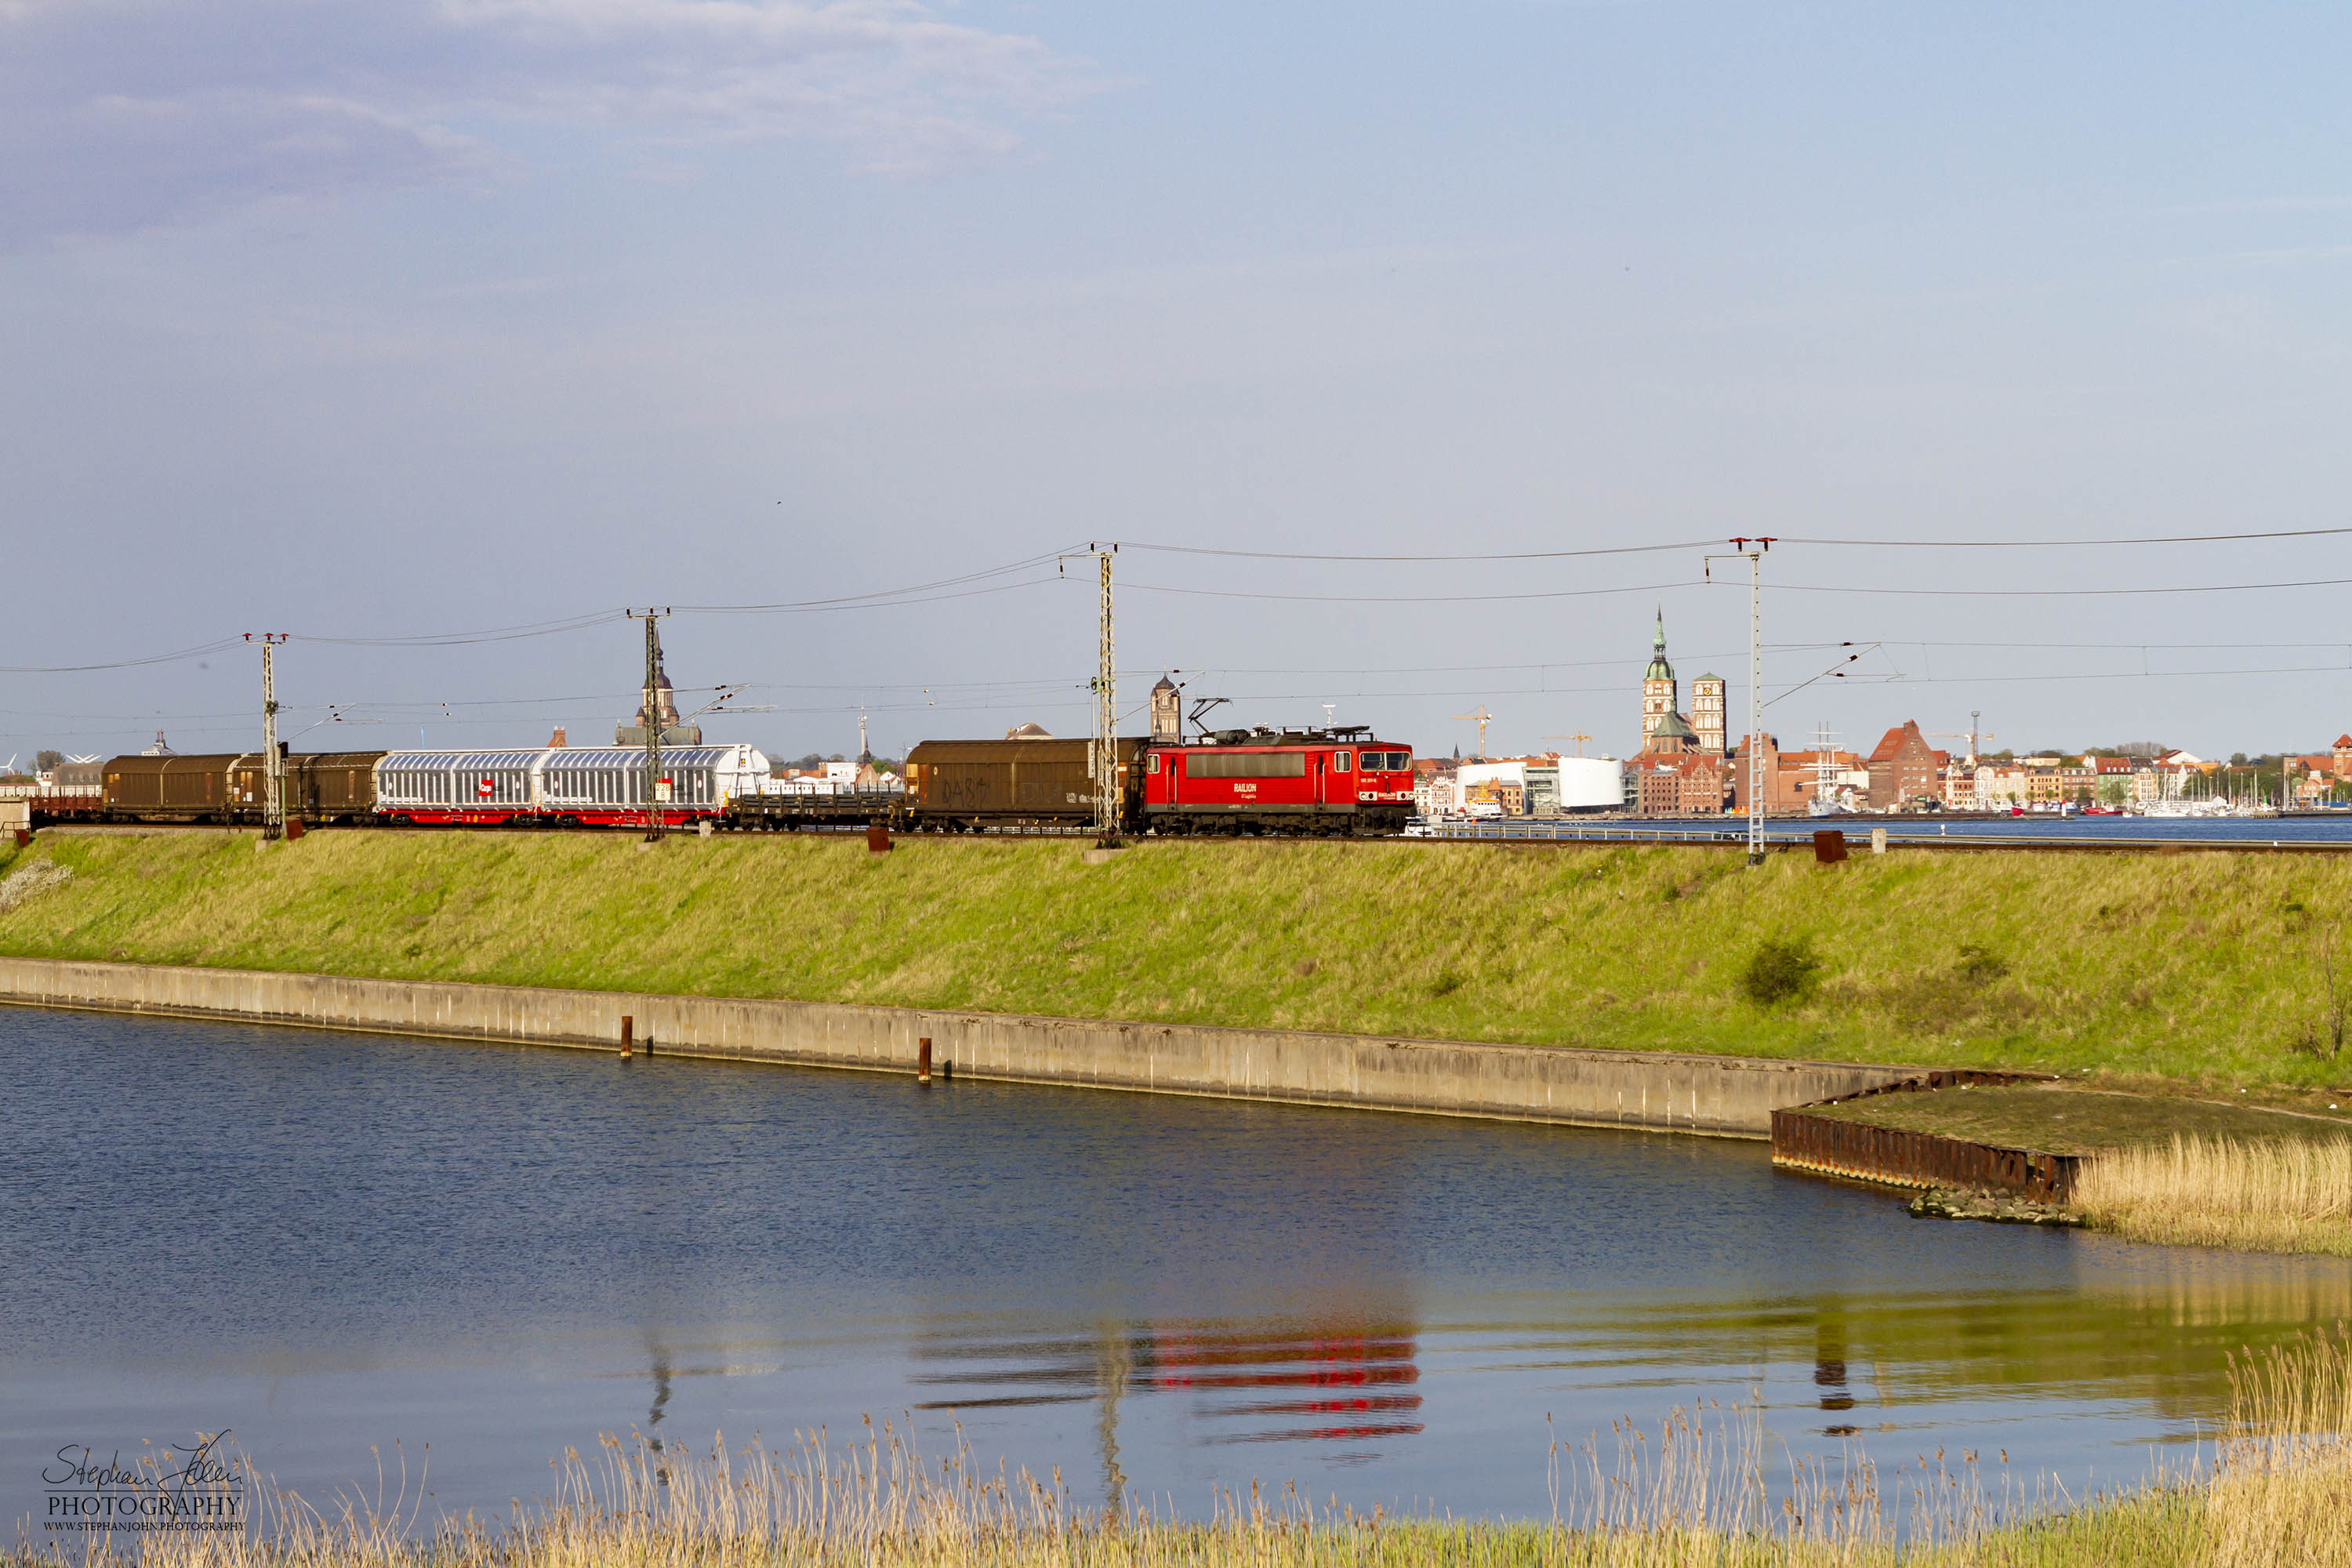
(202, 1465)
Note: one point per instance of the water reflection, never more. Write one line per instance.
(2143, 1338)
(505, 1253)
(1245, 1382)
(660, 1356)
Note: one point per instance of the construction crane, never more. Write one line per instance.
(1972, 737)
(1482, 719)
(1578, 739)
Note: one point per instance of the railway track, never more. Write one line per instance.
(1595, 836)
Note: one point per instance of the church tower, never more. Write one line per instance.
(1167, 714)
(1659, 692)
(1706, 711)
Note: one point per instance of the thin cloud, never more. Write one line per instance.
(123, 114)
(2310, 204)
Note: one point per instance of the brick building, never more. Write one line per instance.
(1675, 774)
(1678, 786)
(1743, 771)
(1905, 769)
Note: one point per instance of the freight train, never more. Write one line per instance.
(1304, 782)
(1319, 782)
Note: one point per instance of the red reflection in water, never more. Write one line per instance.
(1339, 1378)
(1373, 1357)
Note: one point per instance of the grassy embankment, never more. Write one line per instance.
(1694, 1491)
(2195, 968)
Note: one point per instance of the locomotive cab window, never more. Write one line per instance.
(1154, 764)
(1341, 762)
(1250, 766)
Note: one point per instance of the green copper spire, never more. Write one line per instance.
(1659, 668)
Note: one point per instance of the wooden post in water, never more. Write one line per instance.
(923, 1059)
(628, 1029)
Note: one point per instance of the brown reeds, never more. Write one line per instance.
(2266, 1195)
(2281, 1490)
(1695, 1490)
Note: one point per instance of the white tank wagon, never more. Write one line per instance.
(564, 786)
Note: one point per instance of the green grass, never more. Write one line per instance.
(2060, 1121)
(2200, 968)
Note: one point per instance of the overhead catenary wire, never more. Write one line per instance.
(1778, 587)
(961, 585)
(993, 580)
(200, 651)
(1440, 557)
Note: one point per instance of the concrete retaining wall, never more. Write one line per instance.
(1733, 1096)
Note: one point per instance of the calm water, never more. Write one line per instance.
(329, 1243)
(2330, 829)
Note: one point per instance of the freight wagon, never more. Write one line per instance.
(966, 785)
(553, 786)
(561, 787)
(227, 787)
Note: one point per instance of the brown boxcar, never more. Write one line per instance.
(171, 789)
(332, 786)
(227, 787)
(981, 783)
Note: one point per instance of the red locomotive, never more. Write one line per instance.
(1270, 780)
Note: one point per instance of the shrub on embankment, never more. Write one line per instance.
(2197, 965)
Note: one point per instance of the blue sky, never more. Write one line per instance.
(378, 318)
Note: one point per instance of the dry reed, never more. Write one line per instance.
(2281, 1490)
(2281, 1195)
(1693, 1490)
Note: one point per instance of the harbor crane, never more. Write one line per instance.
(1972, 737)
(1482, 719)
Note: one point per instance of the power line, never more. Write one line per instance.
(459, 639)
(2106, 675)
(2071, 593)
(1507, 555)
(1707, 543)
(1783, 587)
(894, 594)
(1404, 598)
(221, 646)
(2067, 543)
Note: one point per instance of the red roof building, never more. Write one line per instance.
(1905, 769)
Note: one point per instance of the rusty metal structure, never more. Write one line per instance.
(1804, 1139)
